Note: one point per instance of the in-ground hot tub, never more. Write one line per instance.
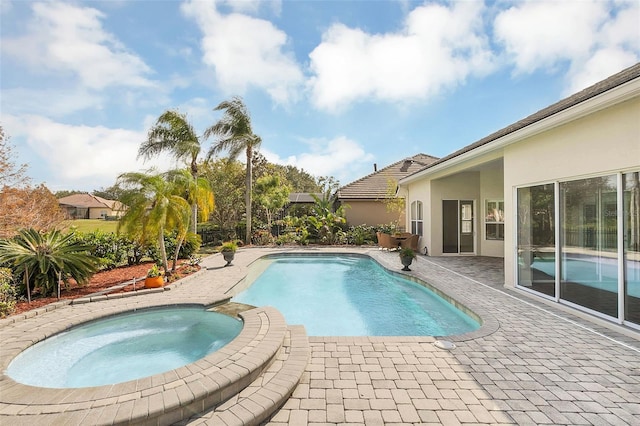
(124, 347)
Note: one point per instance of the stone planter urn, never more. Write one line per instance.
(228, 256)
(228, 251)
(406, 257)
(406, 261)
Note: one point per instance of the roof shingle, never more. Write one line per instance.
(374, 186)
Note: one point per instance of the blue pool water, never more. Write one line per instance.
(124, 347)
(351, 296)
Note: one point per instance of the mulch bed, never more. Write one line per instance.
(102, 281)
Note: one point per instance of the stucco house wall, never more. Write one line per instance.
(491, 188)
(369, 212)
(605, 142)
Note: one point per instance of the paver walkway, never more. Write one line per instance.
(531, 363)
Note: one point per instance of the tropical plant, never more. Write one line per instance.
(227, 179)
(7, 293)
(234, 135)
(110, 249)
(407, 252)
(154, 271)
(45, 258)
(179, 246)
(196, 191)
(229, 246)
(272, 195)
(153, 208)
(172, 133)
(361, 234)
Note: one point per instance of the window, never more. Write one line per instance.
(494, 220)
(416, 218)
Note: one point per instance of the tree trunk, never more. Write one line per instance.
(26, 281)
(175, 257)
(194, 206)
(247, 197)
(163, 251)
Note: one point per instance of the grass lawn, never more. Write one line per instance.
(88, 225)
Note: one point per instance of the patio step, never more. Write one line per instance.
(262, 398)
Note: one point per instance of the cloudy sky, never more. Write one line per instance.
(332, 86)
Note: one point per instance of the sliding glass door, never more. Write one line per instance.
(578, 241)
(536, 239)
(631, 226)
(589, 249)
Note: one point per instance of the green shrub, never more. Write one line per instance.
(110, 249)
(7, 293)
(190, 246)
(262, 237)
(361, 234)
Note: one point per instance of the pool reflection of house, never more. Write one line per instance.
(557, 195)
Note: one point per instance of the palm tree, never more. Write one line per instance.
(45, 258)
(197, 191)
(154, 207)
(174, 134)
(235, 135)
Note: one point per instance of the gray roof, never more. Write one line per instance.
(605, 85)
(301, 198)
(375, 185)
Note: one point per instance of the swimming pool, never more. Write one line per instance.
(124, 347)
(349, 295)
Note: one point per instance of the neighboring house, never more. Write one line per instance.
(364, 199)
(87, 206)
(557, 195)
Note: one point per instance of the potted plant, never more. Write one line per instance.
(406, 257)
(154, 278)
(228, 250)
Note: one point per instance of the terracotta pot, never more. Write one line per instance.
(153, 282)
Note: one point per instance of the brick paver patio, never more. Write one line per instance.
(531, 363)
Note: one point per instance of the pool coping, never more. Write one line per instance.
(464, 302)
(160, 399)
(165, 398)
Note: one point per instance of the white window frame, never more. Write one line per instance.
(417, 208)
(498, 203)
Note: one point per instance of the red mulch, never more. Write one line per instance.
(101, 281)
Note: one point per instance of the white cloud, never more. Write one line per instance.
(602, 64)
(81, 157)
(438, 47)
(595, 38)
(39, 101)
(253, 6)
(70, 39)
(340, 157)
(246, 52)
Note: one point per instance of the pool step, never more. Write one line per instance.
(163, 399)
(262, 398)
